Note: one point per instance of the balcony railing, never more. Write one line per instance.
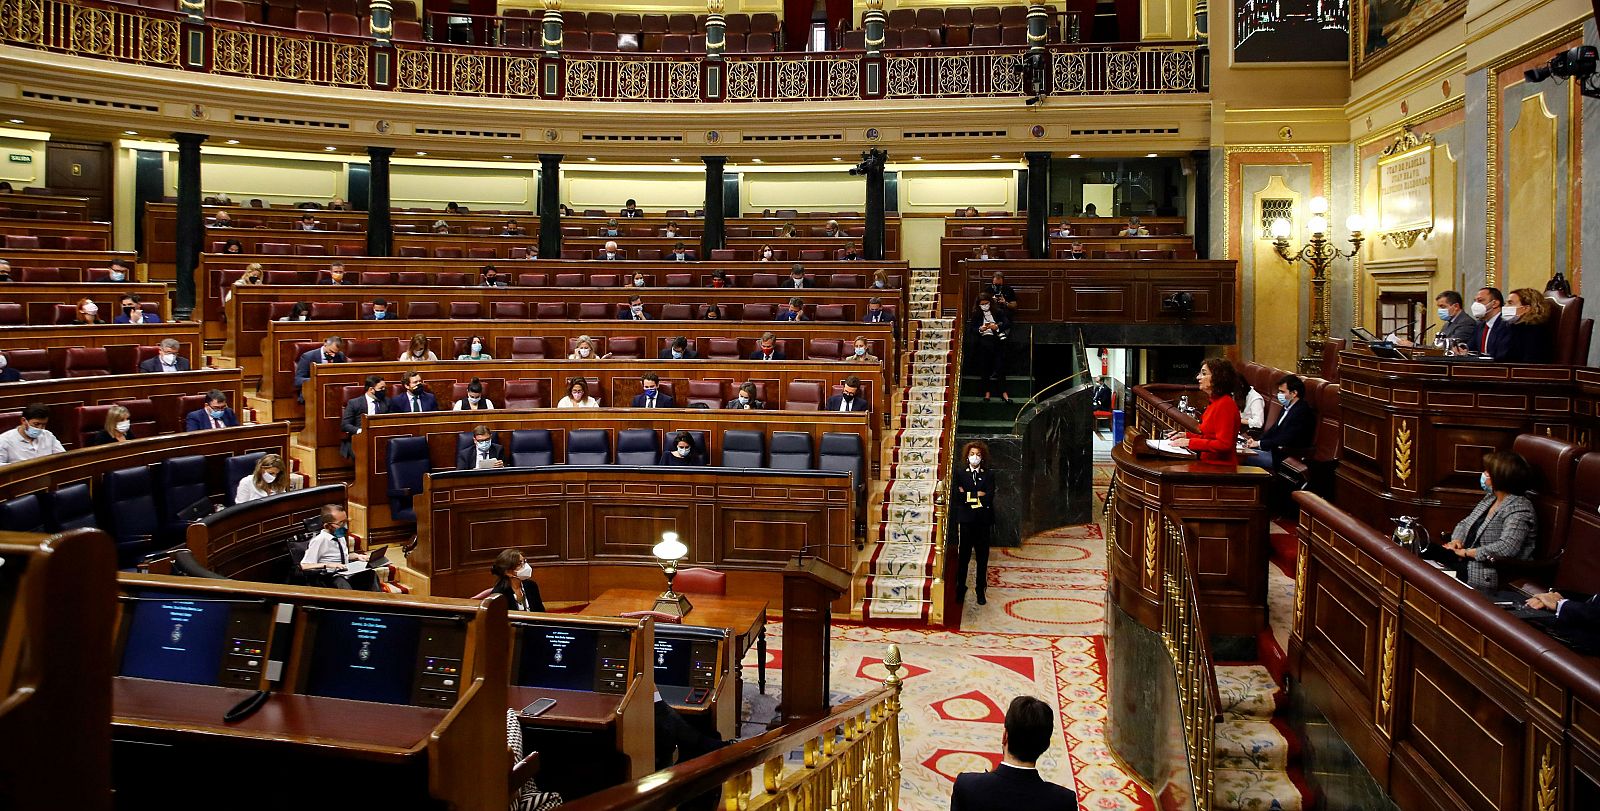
(128, 33)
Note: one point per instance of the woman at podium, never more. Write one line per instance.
(1219, 425)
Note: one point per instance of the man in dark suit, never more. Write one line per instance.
(358, 409)
(331, 351)
(167, 359)
(611, 252)
(336, 275)
(795, 310)
(631, 210)
(680, 254)
(483, 452)
(679, 350)
(417, 398)
(215, 414)
(1295, 428)
(876, 314)
(797, 279)
(1492, 334)
(1576, 618)
(133, 313)
(1003, 294)
(1102, 394)
(1456, 324)
(634, 311)
(1015, 784)
(746, 399)
(767, 348)
(381, 311)
(850, 399)
(652, 396)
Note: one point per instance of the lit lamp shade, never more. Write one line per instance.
(670, 548)
(1318, 224)
(668, 552)
(1319, 205)
(1356, 224)
(1281, 228)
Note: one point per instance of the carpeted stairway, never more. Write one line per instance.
(895, 572)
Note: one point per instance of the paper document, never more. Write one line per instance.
(1166, 446)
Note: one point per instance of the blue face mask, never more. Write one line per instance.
(378, 314)
(1483, 481)
(1444, 313)
(216, 413)
(676, 354)
(340, 532)
(649, 392)
(1283, 399)
(483, 444)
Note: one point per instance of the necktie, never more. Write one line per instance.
(650, 400)
(1483, 347)
(216, 423)
(416, 404)
(844, 403)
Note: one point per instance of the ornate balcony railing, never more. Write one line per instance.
(130, 33)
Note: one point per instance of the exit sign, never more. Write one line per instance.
(15, 158)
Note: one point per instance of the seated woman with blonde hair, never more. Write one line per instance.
(1526, 319)
(270, 478)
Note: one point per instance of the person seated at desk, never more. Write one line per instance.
(631, 210)
(121, 271)
(719, 279)
(133, 313)
(8, 374)
(746, 398)
(475, 350)
(787, 231)
(681, 254)
(267, 479)
(454, 208)
(578, 395)
(32, 438)
(634, 311)
(1091, 211)
(850, 399)
(512, 229)
(167, 359)
(513, 579)
(876, 314)
(981, 252)
(1485, 308)
(794, 311)
(1015, 784)
(767, 348)
(652, 396)
(329, 552)
(215, 414)
(1577, 618)
(970, 211)
(1134, 229)
(484, 452)
(1003, 294)
(797, 279)
(880, 279)
(416, 398)
(253, 275)
(308, 222)
(440, 227)
(233, 246)
(639, 279)
(1063, 230)
(679, 350)
(1526, 323)
(5, 270)
(680, 452)
(338, 204)
(489, 276)
(1456, 326)
(672, 230)
(851, 253)
(474, 401)
(566, 211)
(1219, 425)
(301, 311)
(331, 351)
(610, 229)
(583, 349)
(711, 313)
(118, 428)
(1252, 407)
(380, 311)
(1501, 527)
(611, 253)
(222, 220)
(88, 313)
(336, 275)
(368, 402)
(861, 353)
(418, 351)
(1296, 426)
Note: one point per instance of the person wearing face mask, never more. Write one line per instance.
(681, 452)
(746, 399)
(132, 313)
(795, 311)
(474, 401)
(416, 398)
(1486, 309)
(767, 348)
(222, 220)
(215, 414)
(329, 553)
(583, 349)
(5, 271)
(482, 452)
(986, 332)
(1295, 429)
(652, 396)
(611, 229)
(8, 373)
(850, 399)
(672, 230)
(88, 313)
(711, 313)
(850, 252)
(680, 253)
(369, 402)
(972, 507)
(876, 314)
(417, 351)
(268, 479)
(639, 279)
(512, 229)
(797, 279)
(120, 271)
(331, 351)
(168, 358)
(31, 439)
(634, 311)
(475, 350)
(1003, 294)
(765, 254)
(514, 581)
(490, 277)
(880, 279)
(253, 275)
(679, 349)
(982, 252)
(118, 428)
(301, 311)
(1456, 325)
(1502, 526)
(578, 395)
(336, 276)
(233, 246)
(381, 311)
(631, 210)
(719, 279)
(1526, 323)
(861, 352)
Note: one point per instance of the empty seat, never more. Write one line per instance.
(843, 452)
(511, 310)
(550, 309)
(823, 349)
(625, 347)
(347, 25)
(531, 448)
(595, 310)
(38, 274)
(527, 348)
(85, 361)
(465, 309)
(722, 349)
(589, 446)
(756, 312)
(846, 280)
(408, 464)
(12, 314)
(22, 514)
(742, 448)
(311, 20)
(526, 394)
(383, 277)
(130, 503)
(829, 312)
(803, 395)
(791, 450)
(677, 312)
(184, 490)
(72, 507)
(638, 446)
(422, 309)
(706, 392)
(700, 580)
(532, 279)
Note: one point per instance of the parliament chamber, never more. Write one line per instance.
(805, 404)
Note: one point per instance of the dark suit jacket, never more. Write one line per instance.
(1526, 343)
(1294, 429)
(388, 316)
(879, 317)
(688, 354)
(467, 459)
(688, 256)
(631, 212)
(1462, 328)
(144, 318)
(302, 368)
(403, 402)
(663, 400)
(792, 315)
(1002, 291)
(354, 412)
(198, 420)
(965, 479)
(348, 279)
(753, 404)
(626, 314)
(692, 460)
(10, 375)
(787, 283)
(1102, 398)
(836, 400)
(777, 354)
(1001, 317)
(153, 365)
(530, 590)
(100, 437)
(1009, 789)
(1499, 340)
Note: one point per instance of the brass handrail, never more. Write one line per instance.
(1188, 645)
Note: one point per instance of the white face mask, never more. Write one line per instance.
(744, 398)
(474, 398)
(1509, 313)
(2, 361)
(168, 358)
(861, 350)
(117, 275)
(681, 453)
(974, 459)
(578, 396)
(524, 571)
(583, 351)
(268, 476)
(122, 427)
(477, 348)
(638, 282)
(637, 308)
(983, 307)
(766, 254)
(90, 309)
(1479, 310)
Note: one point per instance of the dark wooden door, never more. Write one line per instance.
(81, 170)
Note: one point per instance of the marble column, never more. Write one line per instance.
(191, 223)
(712, 237)
(550, 206)
(380, 231)
(1038, 240)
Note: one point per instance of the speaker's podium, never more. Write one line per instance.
(810, 585)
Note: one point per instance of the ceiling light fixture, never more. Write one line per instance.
(1150, 155)
(18, 121)
(232, 141)
(592, 160)
(1074, 155)
(420, 154)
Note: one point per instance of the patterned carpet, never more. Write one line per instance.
(1041, 634)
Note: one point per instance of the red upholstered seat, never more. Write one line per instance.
(722, 349)
(677, 312)
(11, 314)
(625, 346)
(550, 309)
(803, 395)
(823, 349)
(527, 348)
(510, 309)
(37, 274)
(333, 310)
(32, 364)
(595, 310)
(709, 392)
(86, 361)
(527, 394)
(465, 309)
(699, 580)
(422, 309)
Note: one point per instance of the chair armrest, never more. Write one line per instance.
(1296, 466)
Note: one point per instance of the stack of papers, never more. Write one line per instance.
(1166, 446)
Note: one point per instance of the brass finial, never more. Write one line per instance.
(552, 5)
(891, 663)
(875, 5)
(714, 6)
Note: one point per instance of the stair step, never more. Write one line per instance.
(1247, 691)
(1248, 743)
(1250, 790)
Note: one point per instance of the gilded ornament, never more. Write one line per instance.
(1150, 539)
(1300, 588)
(91, 31)
(1402, 452)
(22, 21)
(1547, 781)
(1386, 672)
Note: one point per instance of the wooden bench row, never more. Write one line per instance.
(41, 352)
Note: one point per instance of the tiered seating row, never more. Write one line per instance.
(157, 403)
(42, 303)
(42, 353)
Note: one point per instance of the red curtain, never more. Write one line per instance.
(839, 12)
(796, 23)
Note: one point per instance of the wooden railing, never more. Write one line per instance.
(850, 759)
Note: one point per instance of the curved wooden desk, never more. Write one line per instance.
(246, 541)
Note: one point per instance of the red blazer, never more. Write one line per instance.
(1219, 432)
